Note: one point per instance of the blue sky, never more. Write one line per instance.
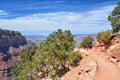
(41, 17)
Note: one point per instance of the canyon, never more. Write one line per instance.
(12, 43)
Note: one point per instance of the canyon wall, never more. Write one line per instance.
(12, 43)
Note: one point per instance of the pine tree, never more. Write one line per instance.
(114, 18)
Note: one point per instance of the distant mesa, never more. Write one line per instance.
(35, 38)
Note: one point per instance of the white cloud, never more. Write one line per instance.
(89, 21)
(3, 13)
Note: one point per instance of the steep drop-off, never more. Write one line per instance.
(9, 39)
(11, 45)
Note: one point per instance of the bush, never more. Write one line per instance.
(104, 36)
(49, 58)
(86, 40)
(74, 58)
(23, 68)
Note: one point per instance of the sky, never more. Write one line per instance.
(41, 17)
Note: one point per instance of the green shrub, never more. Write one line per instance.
(74, 57)
(104, 36)
(86, 40)
(23, 68)
(49, 57)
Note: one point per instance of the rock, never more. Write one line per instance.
(11, 45)
(5, 67)
(93, 68)
(88, 71)
(114, 51)
(119, 64)
(113, 60)
(99, 47)
(30, 43)
(115, 38)
(9, 39)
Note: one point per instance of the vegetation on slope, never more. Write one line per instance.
(104, 37)
(114, 18)
(86, 40)
(51, 58)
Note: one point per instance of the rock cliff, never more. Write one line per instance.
(12, 43)
(9, 39)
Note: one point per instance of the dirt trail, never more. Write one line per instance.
(105, 70)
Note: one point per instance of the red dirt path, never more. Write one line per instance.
(106, 70)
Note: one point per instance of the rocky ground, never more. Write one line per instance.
(102, 62)
(99, 63)
(94, 66)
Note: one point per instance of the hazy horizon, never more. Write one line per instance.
(47, 33)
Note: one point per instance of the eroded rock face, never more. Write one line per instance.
(5, 67)
(7, 60)
(10, 39)
(12, 43)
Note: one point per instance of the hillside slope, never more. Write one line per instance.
(99, 67)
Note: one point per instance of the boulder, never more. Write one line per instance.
(114, 51)
(115, 39)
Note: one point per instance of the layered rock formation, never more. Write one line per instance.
(5, 67)
(10, 39)
(12, 43)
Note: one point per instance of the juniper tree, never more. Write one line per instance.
(114, 18)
